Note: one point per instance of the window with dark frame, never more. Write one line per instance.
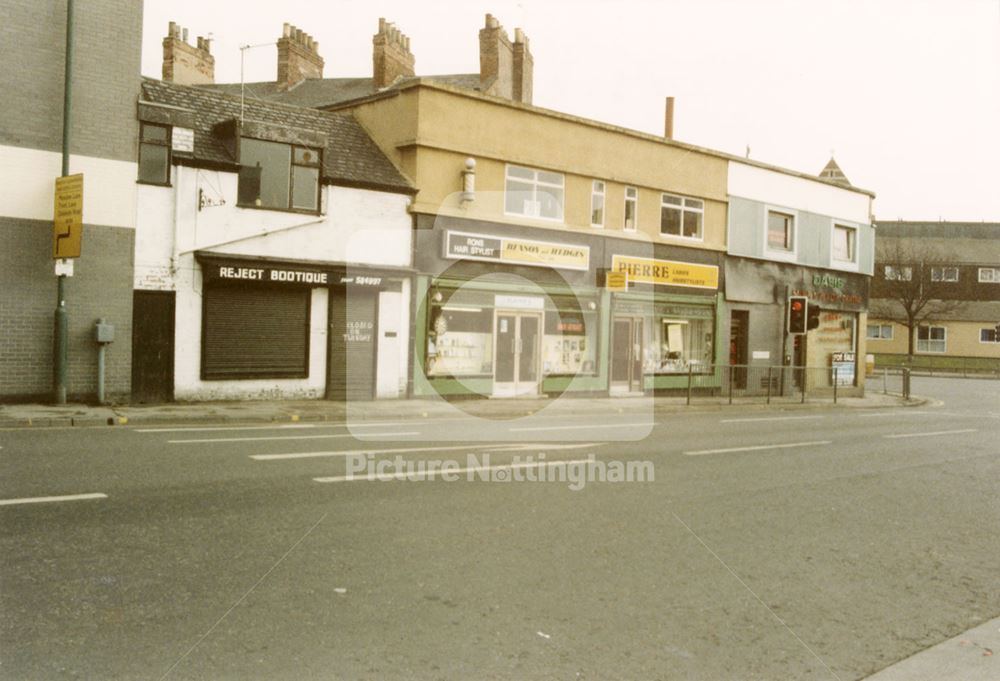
(278, 176)
(154, 153)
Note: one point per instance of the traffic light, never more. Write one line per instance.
(812, 318)
(797, 306)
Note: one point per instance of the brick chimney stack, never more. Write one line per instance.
(496, 60)
(524, 67)
(184, 64)
(390, 54)
(298, 57)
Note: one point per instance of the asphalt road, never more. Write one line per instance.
(818, 544)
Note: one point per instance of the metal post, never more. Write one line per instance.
(835, 382)
(885, 381)
(690, 376)
(769, 384)
(906, 383)
(61, 344)
(100, 373)
(802, 379)
(730, 384)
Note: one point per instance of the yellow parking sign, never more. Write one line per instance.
(67, 222)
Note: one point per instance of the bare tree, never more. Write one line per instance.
(909, 287)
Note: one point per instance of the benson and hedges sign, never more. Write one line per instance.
(489, 248)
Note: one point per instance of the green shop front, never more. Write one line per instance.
(510, 311)
(664, 317)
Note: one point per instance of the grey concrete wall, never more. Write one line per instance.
(101, 287)
(106, 72)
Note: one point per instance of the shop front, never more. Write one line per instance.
(664, 324)
(757, 294)
(507, 312)
(295, 329)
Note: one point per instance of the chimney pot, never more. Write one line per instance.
(186, 64)
(668, 119)
(298, 56)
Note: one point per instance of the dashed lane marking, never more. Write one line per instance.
(287, 437)
(930, 433)
(46, 500)
(757, 448)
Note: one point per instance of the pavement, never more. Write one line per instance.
(971, 656)
(290, 411)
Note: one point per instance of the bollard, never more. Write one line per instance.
(730, 384)
(690, 372)
(769, 385)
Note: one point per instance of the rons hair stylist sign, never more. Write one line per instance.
(488, 248)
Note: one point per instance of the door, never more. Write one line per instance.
(152, 346)
(738, 326)
(352, 344)
(626, 355)
(517, 354)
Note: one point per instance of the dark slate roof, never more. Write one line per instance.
(350, 158)
(323, 92)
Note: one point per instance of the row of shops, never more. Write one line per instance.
(502, 310)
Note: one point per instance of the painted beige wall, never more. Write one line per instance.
(962, 340)
(430, 132)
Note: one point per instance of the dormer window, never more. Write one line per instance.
(154, 153)
(278, 176)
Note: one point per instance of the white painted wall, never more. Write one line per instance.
(28, 181)
(769, 186)
(358, 226)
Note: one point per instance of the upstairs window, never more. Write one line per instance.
(989, 275)
(154, 153)
(780, 231)
(280, 176)
(534, 193)
(845, 243)
(597, 204)
(880, 331)
(681, 216)
(944, 274)
(895, 273)
(631, 208)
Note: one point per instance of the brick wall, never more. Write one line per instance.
(100, 287)
(108, 37)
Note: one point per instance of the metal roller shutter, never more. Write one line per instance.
(255, 332)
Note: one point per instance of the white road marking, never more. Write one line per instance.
(402, 475)
(206, 429)
(504, 447)
(771, 418)
(930, 433)
(286, 437)
(45, 500)
(582, 426)
(901, 412)
(757, 448)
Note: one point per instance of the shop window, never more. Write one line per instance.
(949, 274)
(990, 335)
(895, 273)
(678, 346)
(569, 345)
(989, 275)
(845, 243)
(681, 216)
(631, 208)
(460, 341)
(255, 332)
(279, 176)
(154, 153)
(534, 193)
(597, 204)
(931, 339)
(780, 231)
(880, 331)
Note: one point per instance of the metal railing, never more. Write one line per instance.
(731, 383)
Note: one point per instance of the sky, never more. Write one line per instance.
(904, 94)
